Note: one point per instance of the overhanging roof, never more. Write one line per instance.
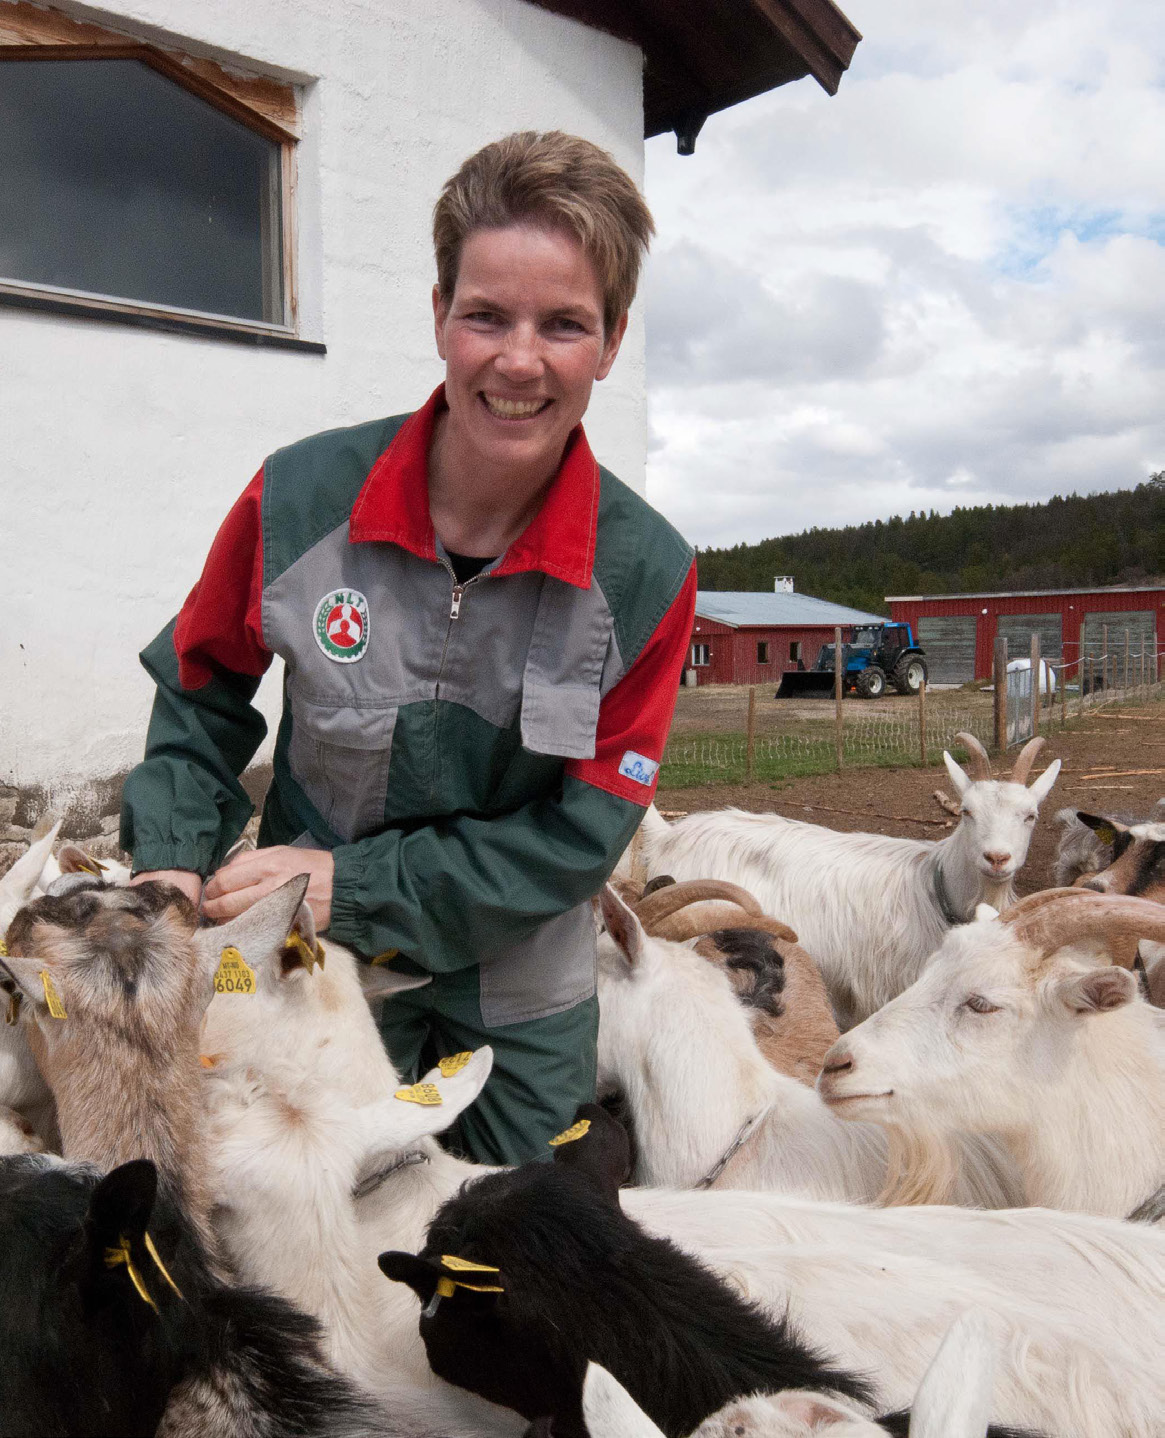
(746, 609)
(1027, 593)
(701, 56)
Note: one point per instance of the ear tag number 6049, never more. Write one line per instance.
(234, 975)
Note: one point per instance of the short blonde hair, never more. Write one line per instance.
(559, 181)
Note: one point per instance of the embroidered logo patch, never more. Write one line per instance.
(341, 625)
(638, 767)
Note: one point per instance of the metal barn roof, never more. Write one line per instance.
(743, 608)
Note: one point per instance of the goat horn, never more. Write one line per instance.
(1025, 759)
(696, 919)
(1049, 920)
(676, 896)
(707, 918)
(979, 762)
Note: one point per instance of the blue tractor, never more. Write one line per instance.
(873, 655)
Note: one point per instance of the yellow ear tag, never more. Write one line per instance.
(234, 975)
(1106, 834)
(51, 997)
(3, 949)
(385, 958)
(426, 1094)
(454, 1063)
(309, 957)
(445, 1286)
(121, 1255)
(159, 1265)
(92, 866)
(576, 1130)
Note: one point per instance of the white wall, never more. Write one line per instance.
(122, 449)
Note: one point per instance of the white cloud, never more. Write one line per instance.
(945, 285)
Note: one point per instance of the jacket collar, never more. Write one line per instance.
(393, 505)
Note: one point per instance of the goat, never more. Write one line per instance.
(775, 978)
(21, 1086)
(113, 1324)
(1087, 842)
(579, 1279)
(17, 1135)
(134, 978)
(1134, 864)
(675, 1042)
(869, 908)
(953, 1401)
(873, 1285)
(1010, 1031)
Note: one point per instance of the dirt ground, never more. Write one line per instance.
(1114, 759)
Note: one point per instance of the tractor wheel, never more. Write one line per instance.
(871, 682)
(909, 674)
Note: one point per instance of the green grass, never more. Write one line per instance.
(811, 756)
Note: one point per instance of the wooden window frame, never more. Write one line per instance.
(266, 106)
(697, 662)
(794, 651)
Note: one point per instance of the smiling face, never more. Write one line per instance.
(523, 341)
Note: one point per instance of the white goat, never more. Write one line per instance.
(953, 1401)
(1010, 1031)
(870, 909)
(21, 1086)
(870, 1286)
(676, 1042)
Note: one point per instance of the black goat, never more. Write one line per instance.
(112, 1324)
(582, 1281)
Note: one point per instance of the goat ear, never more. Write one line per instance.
(392, 1124)
(380, 982)
(122, 1203)
(1098, 991)
(610, 1411)
(1040, 788)
(622, 924)
(955, 1395)
(1104, 828)
(959, 776)
(259, 932)
(74, 860)
(25, 976)
(421, 1274)
(19, 883)
(602, 1155)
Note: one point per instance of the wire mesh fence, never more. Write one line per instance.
(867, 739)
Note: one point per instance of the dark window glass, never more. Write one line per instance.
(117, 181)
(762, 651)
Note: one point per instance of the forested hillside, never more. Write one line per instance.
(1072, 542)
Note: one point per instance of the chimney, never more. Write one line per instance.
(783, 584)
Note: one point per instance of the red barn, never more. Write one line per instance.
(743, 637)
(958, 631)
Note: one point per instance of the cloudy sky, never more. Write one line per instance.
(945, 285)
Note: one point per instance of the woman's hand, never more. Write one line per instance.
(255, 872)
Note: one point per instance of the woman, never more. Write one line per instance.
(483, 635)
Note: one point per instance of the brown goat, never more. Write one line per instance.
(115, 983)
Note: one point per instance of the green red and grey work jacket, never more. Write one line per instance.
(475, 755)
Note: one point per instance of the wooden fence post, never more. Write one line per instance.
(838, 722)
(1091, 681)
(1035, 663)
(922, 721)
(1104, 658)
(1000, 696)
(1126, 661)
(750, 765)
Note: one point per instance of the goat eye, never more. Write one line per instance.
(979, 1005)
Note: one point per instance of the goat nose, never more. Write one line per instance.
(997, 858)
(839, 1065)
(1098, 886)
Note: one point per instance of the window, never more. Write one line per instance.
(795, 652)
(701, 653)
(130, 183)
(762, 651)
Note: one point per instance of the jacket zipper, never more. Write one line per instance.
(454, 614)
